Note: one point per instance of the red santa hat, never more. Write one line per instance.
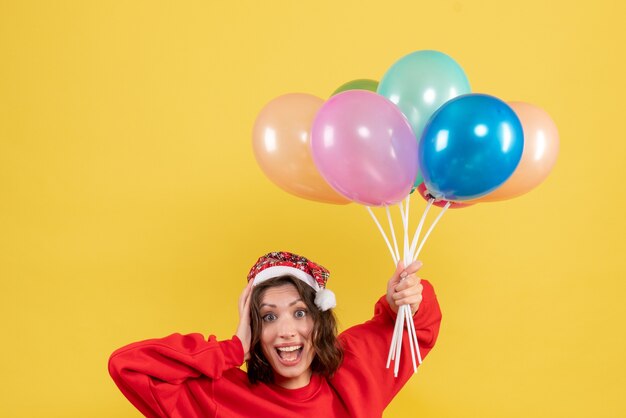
(288, 264)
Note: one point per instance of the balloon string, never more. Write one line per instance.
(403, 216)
(382, 232)
(405, 310)
(417, 348)
(400, 317)
(404, 314)
(397, 329)
(402, 310)
(393, 233)
(411, 331)
(395, 348)
(407, 255)
(392, 347)
(401, 207)
(419, 227)
(417, 253)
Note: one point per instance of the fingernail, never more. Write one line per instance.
(403, 274)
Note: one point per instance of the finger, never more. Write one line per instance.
(248, 289)
(248, 298)
(246, 310)
(395, 278)
(413, 267)
(245, 295)
(409, 281)
(412, 291)
(399, 270)
(413, 300)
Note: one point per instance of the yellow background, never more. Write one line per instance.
(132, 206)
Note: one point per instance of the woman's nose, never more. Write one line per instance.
(286, 329)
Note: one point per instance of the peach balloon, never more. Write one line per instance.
(541, 147)
(281, 142)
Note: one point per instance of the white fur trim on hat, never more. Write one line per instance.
(277, 271)
(324, 298)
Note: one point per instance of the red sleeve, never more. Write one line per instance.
(363, 375)
(152, 373)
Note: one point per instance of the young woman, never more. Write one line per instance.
(296, 365)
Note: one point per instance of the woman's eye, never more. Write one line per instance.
(300, 313)
(269, 317)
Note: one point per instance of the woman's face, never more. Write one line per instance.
(286, 336)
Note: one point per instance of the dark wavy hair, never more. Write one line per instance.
(328, 354)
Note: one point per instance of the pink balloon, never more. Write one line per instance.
(364, 147)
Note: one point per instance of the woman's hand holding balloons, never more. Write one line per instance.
(404, 287)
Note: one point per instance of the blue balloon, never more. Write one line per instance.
(470, 146)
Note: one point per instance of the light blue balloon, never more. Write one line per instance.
(420, 82)
(469, 147)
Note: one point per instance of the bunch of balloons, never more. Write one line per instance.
(419, 128)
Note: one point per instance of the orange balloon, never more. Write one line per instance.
(281, 140)
(541, 147)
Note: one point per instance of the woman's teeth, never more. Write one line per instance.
(292, 348)
(289, 353)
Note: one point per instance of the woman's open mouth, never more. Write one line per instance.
(290, 355)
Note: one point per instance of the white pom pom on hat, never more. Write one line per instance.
(283, 263)
(325, 299)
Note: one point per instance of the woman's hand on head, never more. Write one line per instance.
(404, 287)
(244, 331)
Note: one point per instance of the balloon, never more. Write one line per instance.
(281, 145)
(364, 148)
(421, 190)
(360, 84)
(541, 147)
(420, 82)
(470, 146)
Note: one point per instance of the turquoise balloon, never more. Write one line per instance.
(420, 82)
